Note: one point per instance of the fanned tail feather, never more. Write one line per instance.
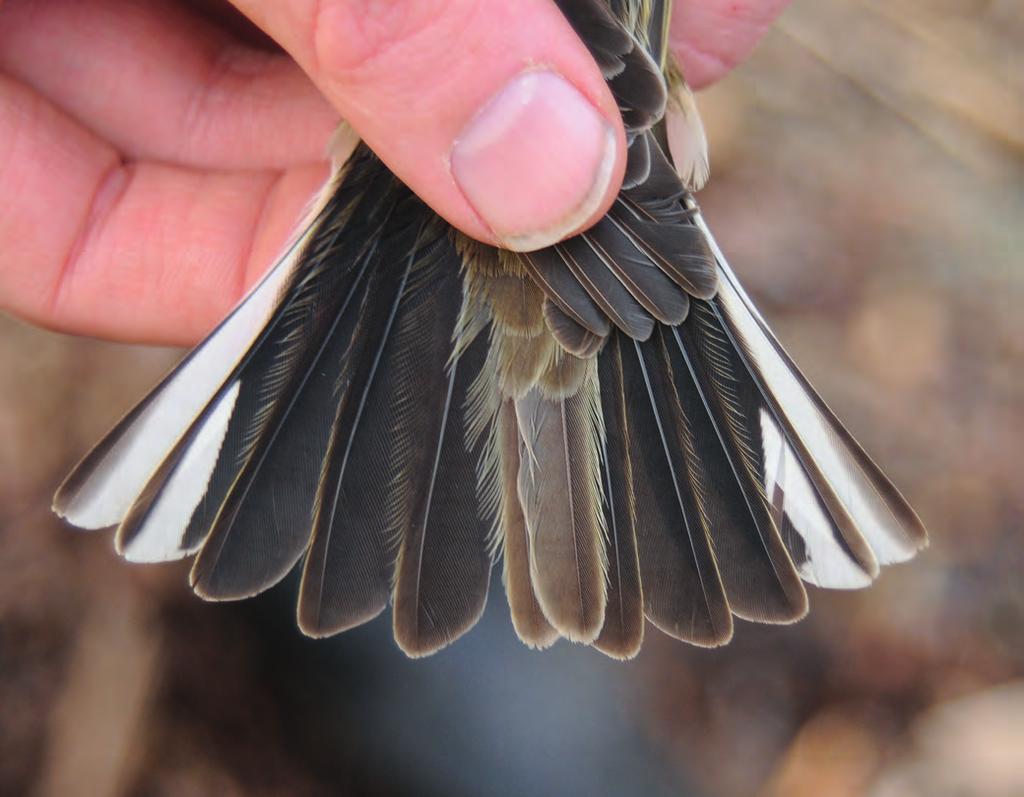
(623, 630)
(443, 568)
(512, 536)
(560, 490)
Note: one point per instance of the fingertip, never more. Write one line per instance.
(538, 162)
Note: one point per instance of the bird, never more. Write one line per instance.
(402, 412)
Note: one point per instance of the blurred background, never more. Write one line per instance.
(868, 185)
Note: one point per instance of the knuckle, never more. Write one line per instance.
(353, 39)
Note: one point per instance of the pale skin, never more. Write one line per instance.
(153, 162)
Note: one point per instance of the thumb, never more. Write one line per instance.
(493, 112)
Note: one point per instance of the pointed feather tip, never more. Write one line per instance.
(679, 313)
(703, 283)
(68, 492)
(414, 652)
(694, 171)
(799, 607)
(203, 587)
(619, 646)
(422, 648)
(915, 529)
(63, 506)
(570, 334)
(531, 626)
(211, 596)
(623, 654)
(706, 289)
(417, 645)
(579, 630)
(60, 507)
(643, 330)
(585, 636)
(131, 548)
(315, 628)
(861, 552)
(537, 638)
(687, 139)
(138, 556)
(720, 637)
(59, 502)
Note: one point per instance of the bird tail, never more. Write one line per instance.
(397, 406)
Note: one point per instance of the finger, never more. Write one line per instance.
(161, 83)
(147, 252)
(176, 250)
(712, 37)
(493, 112)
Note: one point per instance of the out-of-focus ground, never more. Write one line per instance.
(868, 183)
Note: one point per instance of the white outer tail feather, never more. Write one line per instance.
(111, 488)
(880, 528)
(160, 539)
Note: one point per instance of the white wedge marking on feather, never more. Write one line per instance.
(107, 495)
(873, 519)
(160, 538)
(109, 491)
(787, 487)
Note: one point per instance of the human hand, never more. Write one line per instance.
(153, 160)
